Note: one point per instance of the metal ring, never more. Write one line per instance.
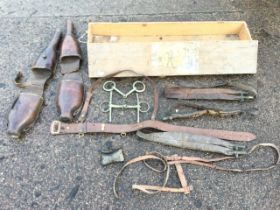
(105, 108)
(137, 89)
(145, 110)
(111, 84)
(81, 135)
(123, 134)
(55, 127)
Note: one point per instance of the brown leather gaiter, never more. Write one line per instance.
(27, 106)
(70, 92)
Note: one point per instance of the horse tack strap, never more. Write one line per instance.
(194, 142)
(176, 160)
(182, 178)
(144, 188)
(58, 127)
(200, 110)
(237, 92)
(150, 188)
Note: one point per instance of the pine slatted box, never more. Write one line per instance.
(171, 48)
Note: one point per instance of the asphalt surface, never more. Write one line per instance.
(42, 171)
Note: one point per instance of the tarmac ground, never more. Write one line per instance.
(42, 171)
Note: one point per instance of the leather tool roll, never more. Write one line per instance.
(27, 106)
(70, 92)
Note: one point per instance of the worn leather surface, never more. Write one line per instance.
(70, 92)
(70, 95)
(177, 160)
(27, 106)
(70, 55)
(82, 128)
(24, 112)
(195, 142)
(205, 93)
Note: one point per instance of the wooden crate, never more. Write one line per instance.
(171, 48)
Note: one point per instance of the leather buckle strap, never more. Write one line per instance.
(176, 160)
(58, 127)
(77, 128)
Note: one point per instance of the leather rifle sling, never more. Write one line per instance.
(58, 127)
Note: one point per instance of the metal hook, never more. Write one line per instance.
(81, 37)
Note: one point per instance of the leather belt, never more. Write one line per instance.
(58, 127)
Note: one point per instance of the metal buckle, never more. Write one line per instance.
(239, 150)
(55, 127)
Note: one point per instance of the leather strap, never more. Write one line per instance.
(195, 142)
(205, 110)
(58, 127)
(239, 92)
(178, 160)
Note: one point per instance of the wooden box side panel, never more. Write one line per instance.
(169, 29)
(229, 57)
(173, 58)
(244, 33)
